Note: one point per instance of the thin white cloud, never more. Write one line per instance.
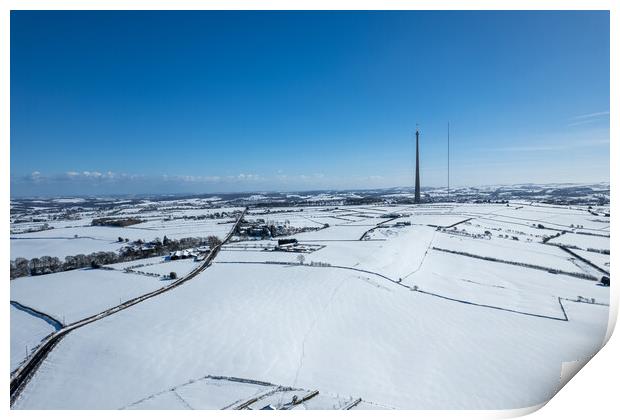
(591, 118)
(241, 180)
(582, 122)
(190, 178)
(592, 115)
(549, 147)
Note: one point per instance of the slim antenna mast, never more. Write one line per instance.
(448, 160)
(416, 198)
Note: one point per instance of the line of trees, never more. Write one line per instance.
(47, 265)
(108, 221)
(21, 267)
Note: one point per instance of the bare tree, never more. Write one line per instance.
(20, 268)
(213, 241)
(35, 266)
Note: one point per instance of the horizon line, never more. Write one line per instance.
(341, 190)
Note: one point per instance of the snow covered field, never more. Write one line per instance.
(180, 267)
(583, 241)
(507, 249)
(62, 242)
(73, 295)
(27, 331)
(414, 351)
(59, 247)
(214, 393)
(334, 233)
(601, 260)
(73, 237)
(381, 307)
(516, 288)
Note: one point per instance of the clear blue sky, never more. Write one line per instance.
(131, 102)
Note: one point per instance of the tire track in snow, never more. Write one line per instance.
(428, 248)
(185, 403)
(312, 326)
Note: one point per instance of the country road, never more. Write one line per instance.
(22, 375)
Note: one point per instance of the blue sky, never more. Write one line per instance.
(147, 102)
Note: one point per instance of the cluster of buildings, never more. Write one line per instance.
(259, 228)
(194, 253)
(291, 245)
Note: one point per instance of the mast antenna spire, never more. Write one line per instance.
(448, 160)
(416, 196)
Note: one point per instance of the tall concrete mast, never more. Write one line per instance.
(417, 166)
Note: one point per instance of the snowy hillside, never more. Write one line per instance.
(373, 306)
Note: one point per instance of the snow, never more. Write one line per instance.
(387, 319)
(161, 266)
(395, 258)
(498, 227)
(259, 256)
(334, 233)
(176, 229)
(69, 200)
(510, 250)
(442, 220)
(554, 218)
(76, 294)
(256, 197)
(324, 197)
(27, 331)
(180, 267)
(203, 394)
(582, 241)
(59, 247)
(213, 393)
(317, 328)
(140, 262)
(317, 217)
(61, 242)
(600, 260)
(490, 283)
(147, 230)
(102, 233)
(295, 219)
